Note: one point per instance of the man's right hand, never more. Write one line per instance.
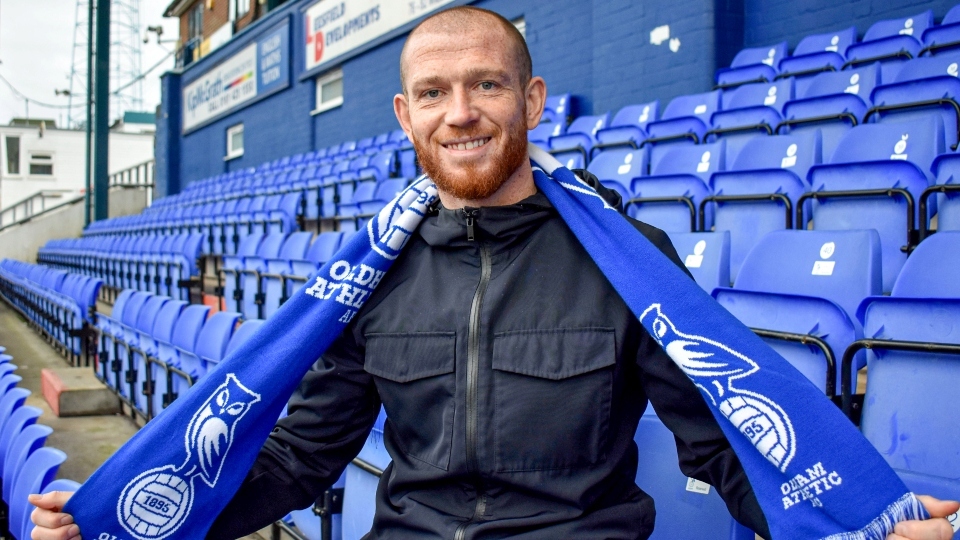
(51, 522)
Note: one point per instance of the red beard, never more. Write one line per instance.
(475, 182)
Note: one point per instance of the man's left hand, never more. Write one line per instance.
(935, 528)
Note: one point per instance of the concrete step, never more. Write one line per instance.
(76, 392)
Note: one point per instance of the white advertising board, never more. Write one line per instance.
(336, 27)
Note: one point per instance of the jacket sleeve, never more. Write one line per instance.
(702, 448)
(329, 417)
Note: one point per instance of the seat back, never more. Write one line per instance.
(132, 308)
(213, 338)
(620, 165)
(827, 42)
(38, 470)
(763, 94)
(930, 271)
(795, 153)
(706, 256)
(242, 334)
(148, 313)
(840, 266)
(323, 247)
(295, 246)
(700, 160)
(947, 170)
(21, 447)
(24, 416)
(698, 105)
(166, 320)
(360, 486)
(541, 134)
(913, 25)
(638, 115)
(188, 326)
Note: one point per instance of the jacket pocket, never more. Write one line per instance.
(415, 378)
(552, 392)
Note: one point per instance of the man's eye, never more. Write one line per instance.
(487, 85)
(432, 93)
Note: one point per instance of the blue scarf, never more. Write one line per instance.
(813, 473)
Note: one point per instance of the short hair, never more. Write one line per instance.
(459, 20)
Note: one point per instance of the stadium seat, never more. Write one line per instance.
(923, 87)
(816, 53)
(757, 194)
(321, 251)
(558, 109)
(541, 134)
(272, 281)
(139, 339)
(231, 271)
(249, 296)
(668, 198)
(946, 191)
(620, 165)
(125, 333)
(833, 103)
(244, 332)
(809, 284)
(18, 420)
(756, 64)
(686, 507)
(210, 345)
(903, 387)
(184, 337)
(749, 110)
(21, 447)
(706, 256)
(867, 183)
(685, 119)
(38, 470)
(573, 148)
(890, 42)
(945, 36)
(628, 127)
(151, 372)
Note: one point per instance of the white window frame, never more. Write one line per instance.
(323, 80)
(233, 153)
(6, 170)
(32, 161)
(235, 9)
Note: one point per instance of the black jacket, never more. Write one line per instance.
(513, 377)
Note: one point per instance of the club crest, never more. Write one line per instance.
(713, 368)
(155, 503)
(390, 229)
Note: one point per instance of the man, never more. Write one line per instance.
(512, 373)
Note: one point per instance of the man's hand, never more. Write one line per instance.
(935, 528)
(52, 524)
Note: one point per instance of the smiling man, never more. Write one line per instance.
(513, 375)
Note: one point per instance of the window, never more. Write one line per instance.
(239, 8)
(234, 142)
(521, 25)
(41, 164)
(329, 91)
(13, 155)
(195, 22)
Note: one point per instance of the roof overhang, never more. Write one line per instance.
(178, 8)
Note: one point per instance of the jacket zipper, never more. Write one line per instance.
(473, 368)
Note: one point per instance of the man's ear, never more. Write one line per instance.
(536, 97)
(402, 109)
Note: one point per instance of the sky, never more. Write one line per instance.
(36, 45)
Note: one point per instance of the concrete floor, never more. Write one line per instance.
(89, 440)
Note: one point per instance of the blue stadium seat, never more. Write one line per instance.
(686, 119)
(620, 165)
(756, 64)
(138, 341)
(574, 147)
(150, 366)
(816, 53)
(321, 251)
(37, 472)
(19, 419)
(123, 334)
(904, 387)
(749, 110)
(184, 337)
(210, 345)
(558, 109)
(628, 127)
(541, 134)
(946, 190)
(244, 332)
(272, 281)
(890, 42)
(21, 447)
(758, 193)
(249, 295)
(833, 103)
(946, 36)
(923, 87)
(686, 507)
(668, 198)
(360, 486)
(874, 159)
(706, 255)
(807, 283)
(231, 270)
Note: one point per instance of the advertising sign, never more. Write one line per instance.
(336, 27)
(258, 70)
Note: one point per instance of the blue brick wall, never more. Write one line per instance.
(772, 21)
(167, 146)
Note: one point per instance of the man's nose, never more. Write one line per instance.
(462, 111)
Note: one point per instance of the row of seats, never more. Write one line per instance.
(27, 465)
(58, 303)
(832, 102)
(163, 264)
(890, 41)
(152, 348)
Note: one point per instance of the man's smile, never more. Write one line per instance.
(469, 144)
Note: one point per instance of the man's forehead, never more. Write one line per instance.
(486, 49)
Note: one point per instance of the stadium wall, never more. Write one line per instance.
(608, 53)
